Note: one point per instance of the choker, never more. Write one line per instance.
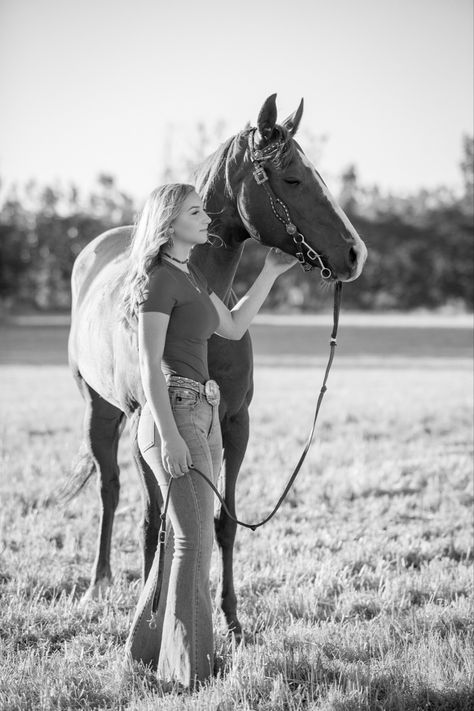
(181, 261)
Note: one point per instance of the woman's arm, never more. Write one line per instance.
(152, 327)
(234, 322)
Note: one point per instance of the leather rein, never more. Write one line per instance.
(258, 157)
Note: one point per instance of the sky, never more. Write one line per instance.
(94, 86)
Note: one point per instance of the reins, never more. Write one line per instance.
(252, 526)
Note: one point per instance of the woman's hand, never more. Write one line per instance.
(175, 456)
(278, 261)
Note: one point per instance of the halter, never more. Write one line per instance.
(258, 156)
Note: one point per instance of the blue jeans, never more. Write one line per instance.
(181, 648)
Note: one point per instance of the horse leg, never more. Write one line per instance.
(235, 435)
(103, 425)
(152, 501)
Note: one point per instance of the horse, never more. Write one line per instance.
(259, 184)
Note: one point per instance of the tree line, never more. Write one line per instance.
(421, 248)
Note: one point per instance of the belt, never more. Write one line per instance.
(210, 389)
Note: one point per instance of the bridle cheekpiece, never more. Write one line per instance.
(258, 156)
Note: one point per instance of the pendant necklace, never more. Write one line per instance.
(188, 274)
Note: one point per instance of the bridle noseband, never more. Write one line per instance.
(258, 156)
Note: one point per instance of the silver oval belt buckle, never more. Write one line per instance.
(212, 392)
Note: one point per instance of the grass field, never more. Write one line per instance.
(356, 595)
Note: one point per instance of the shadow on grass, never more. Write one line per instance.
(384, 692)
(366, 689)
(423, 699)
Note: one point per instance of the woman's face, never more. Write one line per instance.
(192, 222)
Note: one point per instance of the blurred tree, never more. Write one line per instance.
(467, 170)
(349, 189)
(421, 248)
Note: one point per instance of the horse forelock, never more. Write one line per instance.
(286, 148)
(213, 169)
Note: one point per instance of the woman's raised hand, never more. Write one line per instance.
(175, 456)
(279, 261)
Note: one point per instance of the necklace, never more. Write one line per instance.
(188, 274)
(181, 261)
(192, 280)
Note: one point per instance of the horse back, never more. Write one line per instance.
(96, 258)
(101, 348)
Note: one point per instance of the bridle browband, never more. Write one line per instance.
(258, 156)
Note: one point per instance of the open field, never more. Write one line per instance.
(356, 595)
(281, 339)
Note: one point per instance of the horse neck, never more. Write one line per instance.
(219, 264)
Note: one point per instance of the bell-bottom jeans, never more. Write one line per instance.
(181, 647)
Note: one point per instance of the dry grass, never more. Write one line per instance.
(356, 595)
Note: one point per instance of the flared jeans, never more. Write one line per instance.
(181, 647)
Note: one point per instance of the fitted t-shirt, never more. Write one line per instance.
(193, 318)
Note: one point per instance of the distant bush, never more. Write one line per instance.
(421, 248)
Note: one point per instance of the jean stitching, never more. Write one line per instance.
(211, 471)
(196, 576)
(215, 418)
(211, 426)
(204, 401)
(148, 599)
(151, 593)
(200, 435)
(145, 606)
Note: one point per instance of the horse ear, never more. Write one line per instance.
(267, 117)
(292, 121)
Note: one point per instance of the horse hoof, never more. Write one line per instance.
(95, 591)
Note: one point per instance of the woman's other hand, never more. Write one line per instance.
(175, 456)
(279, 261)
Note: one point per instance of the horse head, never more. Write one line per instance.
(283, 201)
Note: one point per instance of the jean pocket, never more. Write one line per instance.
(182, 398)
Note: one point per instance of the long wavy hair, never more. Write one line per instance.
(150, 233)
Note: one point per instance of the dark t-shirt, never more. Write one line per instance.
(193, 318)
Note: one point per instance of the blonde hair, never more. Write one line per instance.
(150, 233)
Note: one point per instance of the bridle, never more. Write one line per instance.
(258, 157)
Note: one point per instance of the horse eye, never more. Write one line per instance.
(292, 181)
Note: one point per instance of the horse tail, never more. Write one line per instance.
(82, 468)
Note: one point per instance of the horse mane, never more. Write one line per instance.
(207, 173)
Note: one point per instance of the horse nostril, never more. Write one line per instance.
(352, 256)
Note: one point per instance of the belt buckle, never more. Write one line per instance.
(212, 392)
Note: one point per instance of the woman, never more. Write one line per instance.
(179, 425)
